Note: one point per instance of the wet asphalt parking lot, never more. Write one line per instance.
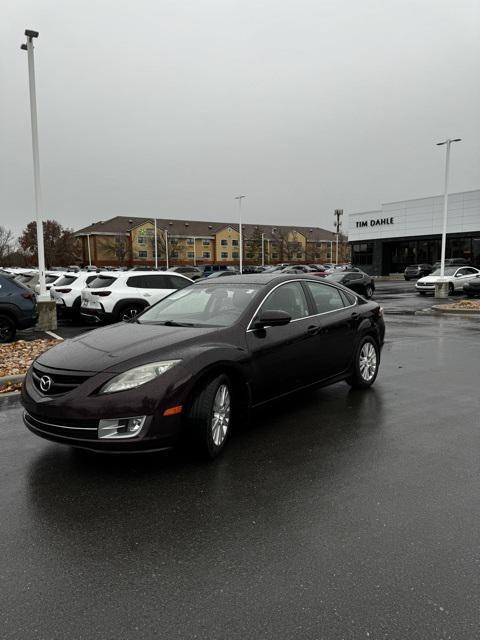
(334, 514)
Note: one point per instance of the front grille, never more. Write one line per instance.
(73, 429)
(61, 381)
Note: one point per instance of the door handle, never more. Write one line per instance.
(355, 315)
(313, 330)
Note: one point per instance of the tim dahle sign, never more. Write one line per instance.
(378, 222)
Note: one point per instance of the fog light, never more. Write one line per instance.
(121, 427)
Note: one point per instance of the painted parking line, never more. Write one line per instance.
(54, 335)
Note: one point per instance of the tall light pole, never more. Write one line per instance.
(240, 198)
(166, 247)
(446, 142)
(155, 243)
(263, 249)
(28, 47)
(89, 252)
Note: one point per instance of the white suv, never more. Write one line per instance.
(116, 296)
(67, 292)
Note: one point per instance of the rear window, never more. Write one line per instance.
(49, 279)
(100, 282)
(66, 280)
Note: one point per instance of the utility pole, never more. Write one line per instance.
(240, 198)
(338, 225)
(263, 250)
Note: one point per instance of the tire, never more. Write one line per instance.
(8, 328)
(422, 293)
(407, 279)
(367, 361)
(368, 291)
(128, 312)
(451, 289)
(208, 436)
(470, 295)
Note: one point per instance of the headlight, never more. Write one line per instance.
(138, 376)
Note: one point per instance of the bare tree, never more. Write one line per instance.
(6, 243)
(118, 247)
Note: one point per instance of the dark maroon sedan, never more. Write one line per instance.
(190, 365)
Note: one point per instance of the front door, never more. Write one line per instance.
(280, 354)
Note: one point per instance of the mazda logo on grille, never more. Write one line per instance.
(45, 383)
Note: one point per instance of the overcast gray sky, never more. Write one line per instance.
(173, 107)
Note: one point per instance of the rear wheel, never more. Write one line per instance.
(7, 329)
(210, 417)
(129, 312)
(367, 360)
(451, 289)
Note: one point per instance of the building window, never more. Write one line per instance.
(206, 243)
(190, 254)
(234, 243)
(206, 254)
(143, 254)
(249, 255)
(362, 253)
(235, 254)
(142, 240)
(172, 241)
(224, 243)
(224, 254)
(274, 256)
(190, 241)
(299, 255)
(174, 254)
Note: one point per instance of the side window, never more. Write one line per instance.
(348, 298)
(469, 271)
(136, 281)
(354, 276)
(326, 298)
(157, 282)
(89, 279)
(288, 297)
(178, 283)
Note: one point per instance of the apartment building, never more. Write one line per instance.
(131, 242)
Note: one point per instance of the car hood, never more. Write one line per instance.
(433, 279)
(108, 348)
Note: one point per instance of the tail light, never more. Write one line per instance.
(63, 290)
(100, 293)
(28, 295)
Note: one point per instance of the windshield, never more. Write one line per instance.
(207, 305)
(449, 271)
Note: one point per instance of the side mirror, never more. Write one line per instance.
(271, 319)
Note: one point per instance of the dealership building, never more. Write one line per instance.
(409, 232)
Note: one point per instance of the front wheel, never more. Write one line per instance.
(422, 293)
(451, 289)
(7, 329)
(210, 417)
(365, 367)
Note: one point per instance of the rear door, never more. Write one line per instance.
(335, 323)
(355, 282)
(465, 274)
(280, 354)
(158, 286)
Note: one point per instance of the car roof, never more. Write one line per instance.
(259, 278)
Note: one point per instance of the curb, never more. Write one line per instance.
(443, 308)
(12, 379)
(11, 395)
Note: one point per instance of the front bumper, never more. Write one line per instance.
(73, 418)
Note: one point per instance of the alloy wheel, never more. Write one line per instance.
(221, 415)
(130, 313)
(5, 330)
(368, 361)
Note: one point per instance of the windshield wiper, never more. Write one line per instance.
(174, 323)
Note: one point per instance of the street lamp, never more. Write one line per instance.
(338, 223)
(155, 242)
(28, 47)
(441, 288)
(263, 250)
(240, 198)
